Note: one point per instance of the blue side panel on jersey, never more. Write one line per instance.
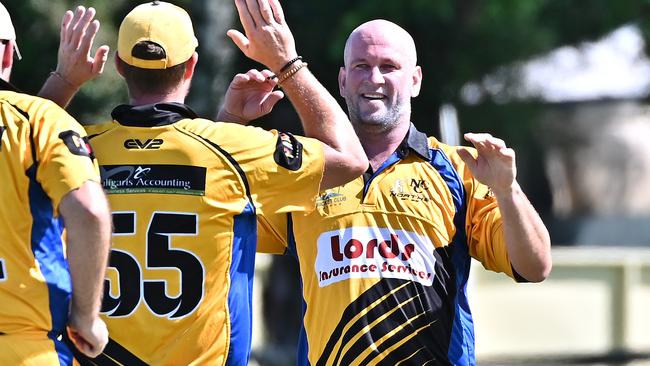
(47, 247)
(64, 353)
(240, 296)
(461, 344)
(302, 356)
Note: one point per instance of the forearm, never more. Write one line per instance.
(527, 239)
(58, 90)
(323, 119)
(88, 226)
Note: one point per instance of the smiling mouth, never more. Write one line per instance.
(373, 96)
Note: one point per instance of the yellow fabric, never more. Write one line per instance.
(409, 200)
(21, 351)
(202, 335)
(37, 169)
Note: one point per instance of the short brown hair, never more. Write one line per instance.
(151, 81)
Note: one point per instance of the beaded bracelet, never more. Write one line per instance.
(291, 72)
(284, 68)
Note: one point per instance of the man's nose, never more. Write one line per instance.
(376, 75)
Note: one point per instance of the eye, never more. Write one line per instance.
(388, 67)
(361, 66)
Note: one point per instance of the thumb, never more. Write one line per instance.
(468, 159)
(101, 55)
(239, 39)
(271, 101)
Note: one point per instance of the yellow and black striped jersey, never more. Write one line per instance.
(385, 259)
(185, 194)
(43, 156)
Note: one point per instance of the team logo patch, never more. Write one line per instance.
(414, 190)
(371, 252)
(166, 179)
(330, 199)
(76, 144)
(288, 151)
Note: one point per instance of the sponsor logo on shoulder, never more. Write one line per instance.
(371, 252)
(76, 144)
(166, 179)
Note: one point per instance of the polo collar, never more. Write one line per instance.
(415, 141)
(152, 115)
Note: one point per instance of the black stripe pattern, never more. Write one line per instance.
(397, 322)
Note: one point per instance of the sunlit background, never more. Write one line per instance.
(565, 83)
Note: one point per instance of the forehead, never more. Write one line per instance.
(378, 44)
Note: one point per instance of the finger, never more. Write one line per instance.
(254, 10)
(507, 152)
(239, 80)
(89, 37)
(79, 12)
(278, 13)
(245, 16)
(82, 25)
(256, 75)
(468, 159)
(239, 39)
(265, 11)
(271, 101)
(270, 77)
(65, 24)
(101, 55)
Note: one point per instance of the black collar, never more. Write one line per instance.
(151, 115)
(415, 141)
(4, 85)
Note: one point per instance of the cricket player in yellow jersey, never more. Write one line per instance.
(186, 192)
(50, 180)
(384, 259)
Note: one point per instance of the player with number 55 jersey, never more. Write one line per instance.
(186, 192)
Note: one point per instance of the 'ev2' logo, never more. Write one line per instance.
(149, 144)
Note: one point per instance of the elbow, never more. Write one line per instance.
(360, 165)
(540, 271)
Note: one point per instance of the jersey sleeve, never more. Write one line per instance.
(283, 171)
(65, 159)
(483, 224)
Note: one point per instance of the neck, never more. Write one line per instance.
(380, 145)
(176, 96)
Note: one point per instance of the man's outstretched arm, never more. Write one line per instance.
(269, 41)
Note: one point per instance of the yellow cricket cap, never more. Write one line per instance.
(162, 23)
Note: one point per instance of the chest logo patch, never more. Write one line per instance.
(414, 190)
(371, 252)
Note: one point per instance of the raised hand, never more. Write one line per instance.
(78, 32)
(268, 39)
(249, 96)
(495, 164)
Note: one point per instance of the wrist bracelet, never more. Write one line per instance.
(288, 64)
(291, 72)
(58, 75)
